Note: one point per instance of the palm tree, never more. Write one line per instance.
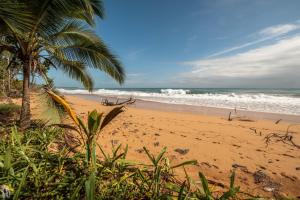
(59, 32)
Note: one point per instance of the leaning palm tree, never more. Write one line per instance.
(58, 32)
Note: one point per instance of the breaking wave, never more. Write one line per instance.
(274, 103)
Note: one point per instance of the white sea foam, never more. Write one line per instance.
(174, 91)
(254, 101)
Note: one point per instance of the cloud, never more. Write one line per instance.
(133, 75)
(280, 61)
(265, 34)
(279, 29)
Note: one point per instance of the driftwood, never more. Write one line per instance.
(229, 117)
(286, 138)
(237, 117)
(129, 101)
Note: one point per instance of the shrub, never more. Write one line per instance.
(9, 108)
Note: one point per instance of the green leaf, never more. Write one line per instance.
(7, 159)
(22, 182)
(81, 124)
(90, 184)
(189, 162)
(181, 192)
(150, 156)
(205, 186)
(159, 157)
(110, 116)
(94, 122)
(232, 190)
(77, 190)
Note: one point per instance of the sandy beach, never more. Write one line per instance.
(218, 145)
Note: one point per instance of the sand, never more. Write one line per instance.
(217, 144)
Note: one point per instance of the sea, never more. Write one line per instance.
(283, 101)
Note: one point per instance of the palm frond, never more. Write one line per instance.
(95, 55)
(66, 106)
(15, 16)
(78, 43)
(110, 116)
(52, 14)
(76, 70)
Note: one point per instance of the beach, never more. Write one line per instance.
(149, 99)
(219, 145)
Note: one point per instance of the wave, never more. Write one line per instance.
(174, 91)
(246, 101)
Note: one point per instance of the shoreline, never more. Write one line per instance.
(200, 110)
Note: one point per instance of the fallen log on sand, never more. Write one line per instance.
(129, 101)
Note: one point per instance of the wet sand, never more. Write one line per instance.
(206, 134)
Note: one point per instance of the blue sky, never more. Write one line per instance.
(201, 43)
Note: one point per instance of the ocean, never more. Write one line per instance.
(284, 101)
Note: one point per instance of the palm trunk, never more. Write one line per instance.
(25, 110)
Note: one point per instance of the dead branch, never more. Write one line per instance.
(255, 131)
(235, 116)
(286, 138)
(277, 122)
(229, 117)
(129, 101)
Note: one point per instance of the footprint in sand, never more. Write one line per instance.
(139, 150)
(287, 155)
(114, 132)
(292, 178)
(262, 167)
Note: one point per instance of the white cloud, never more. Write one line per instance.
(271, 32)
(280, 60)
(279, 29)
(134, 74)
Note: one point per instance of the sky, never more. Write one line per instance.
(200, 44)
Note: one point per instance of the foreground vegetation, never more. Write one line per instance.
(40, 164)
(31, 169)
